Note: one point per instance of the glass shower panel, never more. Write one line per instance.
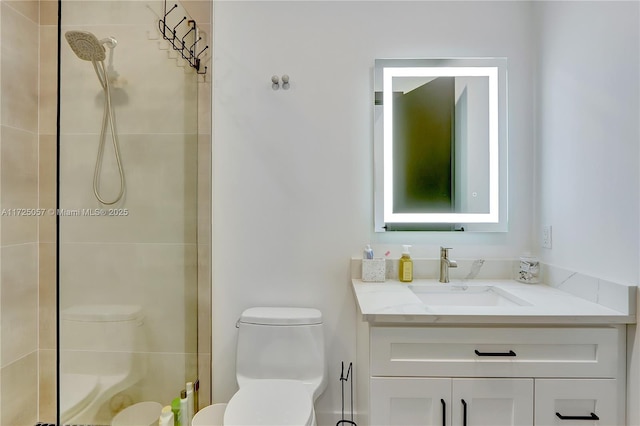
(127, 270)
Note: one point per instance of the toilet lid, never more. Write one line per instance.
(270, 403)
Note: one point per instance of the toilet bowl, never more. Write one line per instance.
(79, 390)
(280, 367)
(99, 345)
(271, 403)
(141, 414)
(212, 415)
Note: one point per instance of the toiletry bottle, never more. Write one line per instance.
(175, 408)
(166, 417)
(184, 411)
(368, 252)
(406, 266)
(196, 398)
(190, 410)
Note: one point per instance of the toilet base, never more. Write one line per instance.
(87, 413)
(213, 415)
(271, 402)
(140, 414)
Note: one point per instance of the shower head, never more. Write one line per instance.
(87, 46)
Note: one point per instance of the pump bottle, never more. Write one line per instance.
(166, 417)
(405, 270)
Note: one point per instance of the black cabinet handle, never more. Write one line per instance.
(444, 412)
(464, 412)
(591, 417)
(510, 353)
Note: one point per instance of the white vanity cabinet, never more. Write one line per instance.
(577, 401)
(403, 401)
(503, 402)
(446, 402)
(492, 375)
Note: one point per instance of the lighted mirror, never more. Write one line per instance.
(440, 145)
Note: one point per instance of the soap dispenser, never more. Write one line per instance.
(405, 270)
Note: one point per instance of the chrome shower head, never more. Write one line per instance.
(86, 45)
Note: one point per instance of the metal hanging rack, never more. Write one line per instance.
(169, 33)
(345, 378)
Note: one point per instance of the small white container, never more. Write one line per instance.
(529, 270)
(373, 270)
(212, 415)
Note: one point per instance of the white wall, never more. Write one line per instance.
(587, 145)
(587, 159)
(19, 238)
(472, 144)
(292, 169)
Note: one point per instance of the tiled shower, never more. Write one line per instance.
(158, 256)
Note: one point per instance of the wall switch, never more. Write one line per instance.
(546, 236)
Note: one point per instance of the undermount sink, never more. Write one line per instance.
(463, 295)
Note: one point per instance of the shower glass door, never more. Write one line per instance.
(127, 265)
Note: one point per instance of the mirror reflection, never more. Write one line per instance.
(439, 143)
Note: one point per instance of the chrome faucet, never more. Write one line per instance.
(445, 264)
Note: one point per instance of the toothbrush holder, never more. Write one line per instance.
(373, 270)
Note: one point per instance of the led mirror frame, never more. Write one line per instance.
(494, 178)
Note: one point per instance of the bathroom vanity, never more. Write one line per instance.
(487, 353)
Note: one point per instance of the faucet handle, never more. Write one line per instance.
(444, 251)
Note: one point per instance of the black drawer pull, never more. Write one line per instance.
(444, 412)
(591, 417)
(464, 412)
(510, 353)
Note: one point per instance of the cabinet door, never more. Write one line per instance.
(492, 402)
(582, 402)
(410, 401)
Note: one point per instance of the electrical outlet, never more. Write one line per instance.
(546, 236)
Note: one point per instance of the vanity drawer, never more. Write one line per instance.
(496, 352)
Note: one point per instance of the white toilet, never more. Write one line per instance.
(99, 349)
(280, 367)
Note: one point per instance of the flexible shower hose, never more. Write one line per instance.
(107, 119)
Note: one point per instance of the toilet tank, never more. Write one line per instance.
(282, 343)
(100, 339)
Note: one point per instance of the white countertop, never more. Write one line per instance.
(393, 302)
